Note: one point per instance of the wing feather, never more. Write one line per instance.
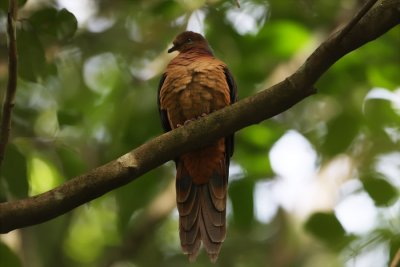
(163, 113)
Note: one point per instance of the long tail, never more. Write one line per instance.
(202, 210)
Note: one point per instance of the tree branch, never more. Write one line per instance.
(12, 78)
(252, 110)
(364, 9)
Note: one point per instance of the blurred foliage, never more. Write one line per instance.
(8, 257)
(88, 76)
(381, 191)
(326, 227)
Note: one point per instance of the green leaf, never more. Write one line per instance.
(379, 113)
(326, 227)
(241, 195)
(44, 21)
(43, 174)
(66, 24)
(32, 62)
(50, 22)
(285, 37)
(260, 136)
(68, 117)
(8, 257)
(252, 146)
(380, 190)
(14, 171)
(71, 161)
(341, 132)
(256, 165)
(4, 5)
(385, 76)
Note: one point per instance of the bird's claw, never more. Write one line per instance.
(190, 120)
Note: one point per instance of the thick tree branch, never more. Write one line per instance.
(252, 110)
(12, 78)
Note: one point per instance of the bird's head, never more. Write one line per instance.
(187, 41)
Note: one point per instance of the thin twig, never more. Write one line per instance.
(350, 25)
(396, 259)
(12, 78)
(237, 3)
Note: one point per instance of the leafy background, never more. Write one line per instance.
(315, 186)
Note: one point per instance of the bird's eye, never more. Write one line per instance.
(189, 41)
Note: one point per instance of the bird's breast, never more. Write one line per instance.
(194, 89)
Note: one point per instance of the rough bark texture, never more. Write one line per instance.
(252, 110)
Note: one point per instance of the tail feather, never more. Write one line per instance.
(188, 206)
(218, 185)
(189, 235)
(192, 250)
(202, 212)
(188, 222)
(214, 223)
(184, 186)
(212, 248)
(211, 212)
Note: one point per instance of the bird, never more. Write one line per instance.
(195, 84)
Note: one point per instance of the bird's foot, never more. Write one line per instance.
(185, 123)
(191, 120)
(188, 121)
(202, 115)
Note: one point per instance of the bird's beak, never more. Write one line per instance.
(172, 49)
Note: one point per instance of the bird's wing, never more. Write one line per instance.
(232, 85)
(233, 98)
(163, 113)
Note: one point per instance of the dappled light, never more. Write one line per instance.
(316, 184)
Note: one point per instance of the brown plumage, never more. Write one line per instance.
(195, 83)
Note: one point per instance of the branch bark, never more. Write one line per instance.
(12, 78)
(252, 110)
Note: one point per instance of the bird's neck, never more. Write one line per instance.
(198, 51)
(186, 57)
